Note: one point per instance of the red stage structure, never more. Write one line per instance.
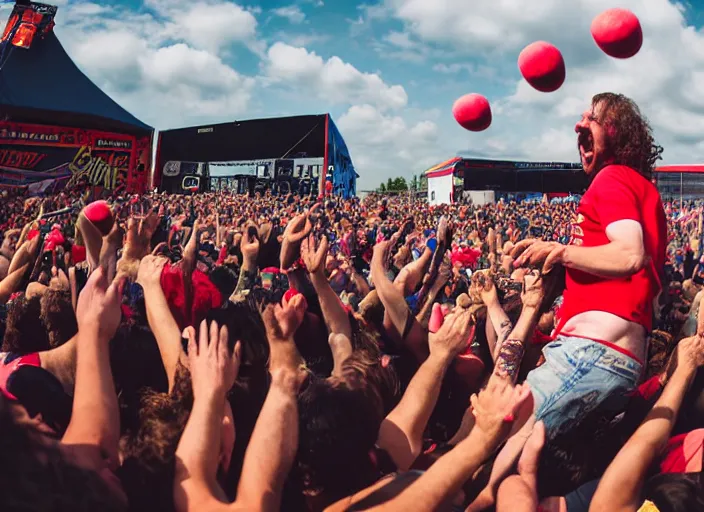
(57, 128)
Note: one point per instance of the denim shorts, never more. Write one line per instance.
(579, 376)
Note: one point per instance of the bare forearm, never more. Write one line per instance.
(444, 479)
(334, 313)
(501, 323)
(395, 305)
(272, 448)
(95, 416)
(423, 316)
(9, 285)
(165, 329)
(621, 484)
(510, 352)
(363, 288)
(610, 260)
(411, 415)
(199, 445)
(248, 274)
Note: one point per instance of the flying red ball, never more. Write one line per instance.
(618, 33)
(472, 112)
(542, 66)
(100, 214)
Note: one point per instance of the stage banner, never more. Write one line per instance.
(110, 161)
(344, 176)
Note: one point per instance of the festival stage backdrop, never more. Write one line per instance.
(32, 153)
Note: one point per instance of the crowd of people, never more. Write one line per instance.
(210, 351)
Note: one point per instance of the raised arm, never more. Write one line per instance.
(334, 313)
(620, 489)
(249, 245)
(95, 420)
(398, 318)
(483, 290)
(494, 410)
(510, 352)
(213, 372)
(272, 448)
(161, 321)
(401, 432)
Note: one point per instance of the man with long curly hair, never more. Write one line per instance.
(612, 266)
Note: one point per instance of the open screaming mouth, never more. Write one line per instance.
(585, 143)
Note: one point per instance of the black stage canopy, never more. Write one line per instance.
(43, 85)
(256, 139)
(511, 176)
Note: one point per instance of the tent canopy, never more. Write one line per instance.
(281, 137)
(42, 85)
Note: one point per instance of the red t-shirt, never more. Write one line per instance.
(618, 193)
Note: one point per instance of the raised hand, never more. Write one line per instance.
(296, 230)
(482, 289)
(533, 289)
(382, 255)
(249, 244)
(690, 353)
(150, 269)
(312, 257)
(496, 407)
(98, 306)
(282, 322)
(213, 367)
(454, 335)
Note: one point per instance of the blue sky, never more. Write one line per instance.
(389, 70)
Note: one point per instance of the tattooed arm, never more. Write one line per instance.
(510, 352)
(483, 289)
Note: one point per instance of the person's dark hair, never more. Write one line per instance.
(630, 137)
(224, 279)
(58, 316)
(148, 469)
(339, 426)
(38, 478)
(25, 333)
(682, 492)
(136, 366)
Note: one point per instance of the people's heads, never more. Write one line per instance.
(679, 492)
(613, 131)
(148, 454)
(339, 426)
(41, 477)
(58, 316)
(25, 333)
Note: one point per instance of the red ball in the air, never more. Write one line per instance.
(618, 33)
(100, 214)
(542, 65)
(472, 112)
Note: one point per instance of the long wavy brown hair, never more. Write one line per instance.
(630, 137)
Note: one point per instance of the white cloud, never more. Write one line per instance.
(166, 84)
(665, 78)
(332, 80)
(292, 13)
(385, 146)
(209, 25)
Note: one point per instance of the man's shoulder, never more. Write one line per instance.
(624, 175)
(618, 170)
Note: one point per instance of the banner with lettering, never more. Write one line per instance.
(110, 161)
